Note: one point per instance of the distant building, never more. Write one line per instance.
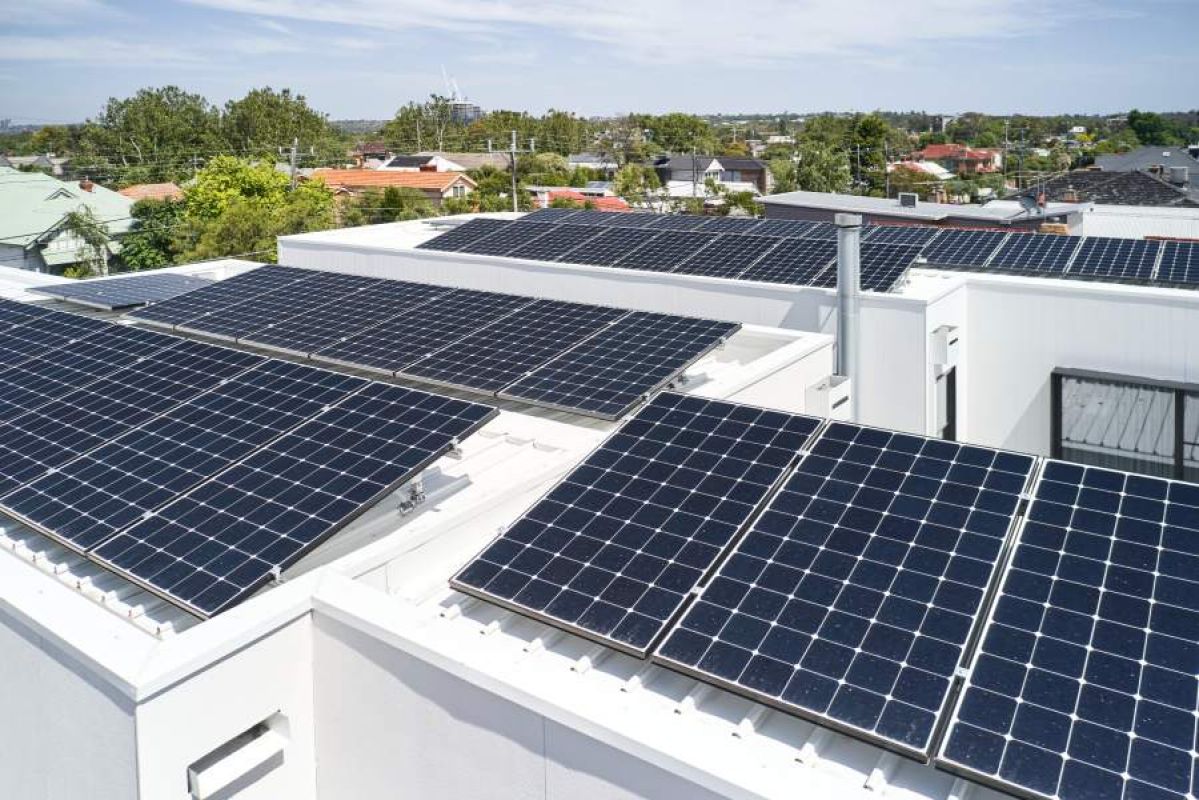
(435, 186)
(600, 200)
(469, 161)
(33, 207)
(44, 162)
(736, 173)
(421, 163)
(962, 160)
(1127, 188)
(593, 161)
(152, 191)
(1177, 166)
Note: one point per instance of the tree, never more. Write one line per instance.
(152, 136)
(493, 190)
(784, 173)
(1151, 128)
(822, 169)
(83, 227)
(227, 178)
(681, 133)
(636, 184)
(150, 244)
(56, 139)
(265, 120)
(393, 204)
(543, 169)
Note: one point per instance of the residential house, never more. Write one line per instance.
(544, 196)
(44, 162)
(419, 163)
(962, 160)
(1127, 188)
(1178, 166)
(736, 173)
(469, 161)
(435, 186)
(594, 161)
(33, 207)
(152, 191)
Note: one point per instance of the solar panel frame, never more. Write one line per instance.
(110, 294)
(728, 256)
(1035, 255)
(650, 511)
(189, 307)
(453, 240)
(611, 245)
(1108, 259)
(599, 377)
(499, 354)
(855, 594)
(342, 458)
(665, 251)
(797, 262)
(1089, 656)
(967, 249)
(1179, 264)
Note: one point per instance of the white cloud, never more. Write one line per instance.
(93, 50)
(685, 31)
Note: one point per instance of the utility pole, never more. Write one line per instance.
(419, 148)
(887, 169)
(694, 174)
(295, 144)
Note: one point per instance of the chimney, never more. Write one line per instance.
(1070, 195)
(849, 277)
(428, 167)
(86, 184)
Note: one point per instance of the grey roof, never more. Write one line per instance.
(1143, 158)
(684, 163)
(859, 204)
(740, 162)
(409, 161)
(1128, 188)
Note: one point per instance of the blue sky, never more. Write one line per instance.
(60, 59)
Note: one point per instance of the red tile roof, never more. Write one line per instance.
(152, 191)
(382, 179)
(934, 151)
(600, 203)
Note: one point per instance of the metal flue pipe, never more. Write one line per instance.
(849, 282)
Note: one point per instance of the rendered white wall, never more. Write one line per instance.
(1017, 337)
(391, 725)
(64, 734)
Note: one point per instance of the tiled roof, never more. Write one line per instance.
(1132, 188)
(382, 179)
(600, 203)
(935, 151)
(153, 191)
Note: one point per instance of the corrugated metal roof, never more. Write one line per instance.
(32, 203)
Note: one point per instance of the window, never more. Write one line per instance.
(458, 190)
(1127, 423)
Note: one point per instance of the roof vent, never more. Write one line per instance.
(908, 199)
(1180, 175)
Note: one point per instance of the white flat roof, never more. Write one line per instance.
(922, 210)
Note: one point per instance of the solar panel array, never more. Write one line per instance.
(774, 251)
(1086, 680)
(196, 470)
(590, 359)
(1088, 258)
(124, 292)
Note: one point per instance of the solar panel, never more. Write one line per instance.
(1180, 263)
(783, 227)
(558, 242)
(880, 266)
(818, 230)
(31, 336)
(494, 356)
(613, 551)
(666, 251)
(215, 545)
(853, 596)
(794, 261)
(322, 327)
(124, 292)
(29, 386)
(963, 248)
(1109, 259)
(423, 330)
(728, 256)
(314, 291)
(611, 245)
(77, 421)
(611, 219)
(551, 215)
(87, 500)
(620, 366)
(1047, 255)
(214, 298)
(506, 239)
(915, 235)
(14, 313)
(731, 225)
(1085, 682)
(678, 222)
(454, 239)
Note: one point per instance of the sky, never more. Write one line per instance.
(61, 59)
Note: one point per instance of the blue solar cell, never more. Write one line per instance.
(611, 245)
(214, 546)
(26, 336)
(968, 249)
(558, 242)
(455, 239)
(783, 227)
(678, 222)
(880, 267)
(550, 215)
(799, 262)
(728, 256)
(666, 251)
(1108, 259)
(613, 551)
(92, 497)
(124, 292)
(1045, 255)
(620, 366)
(853, 596)
(1179, 264)
(506, 239)
(220, 295)
(913, 235)
(1085, 682)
